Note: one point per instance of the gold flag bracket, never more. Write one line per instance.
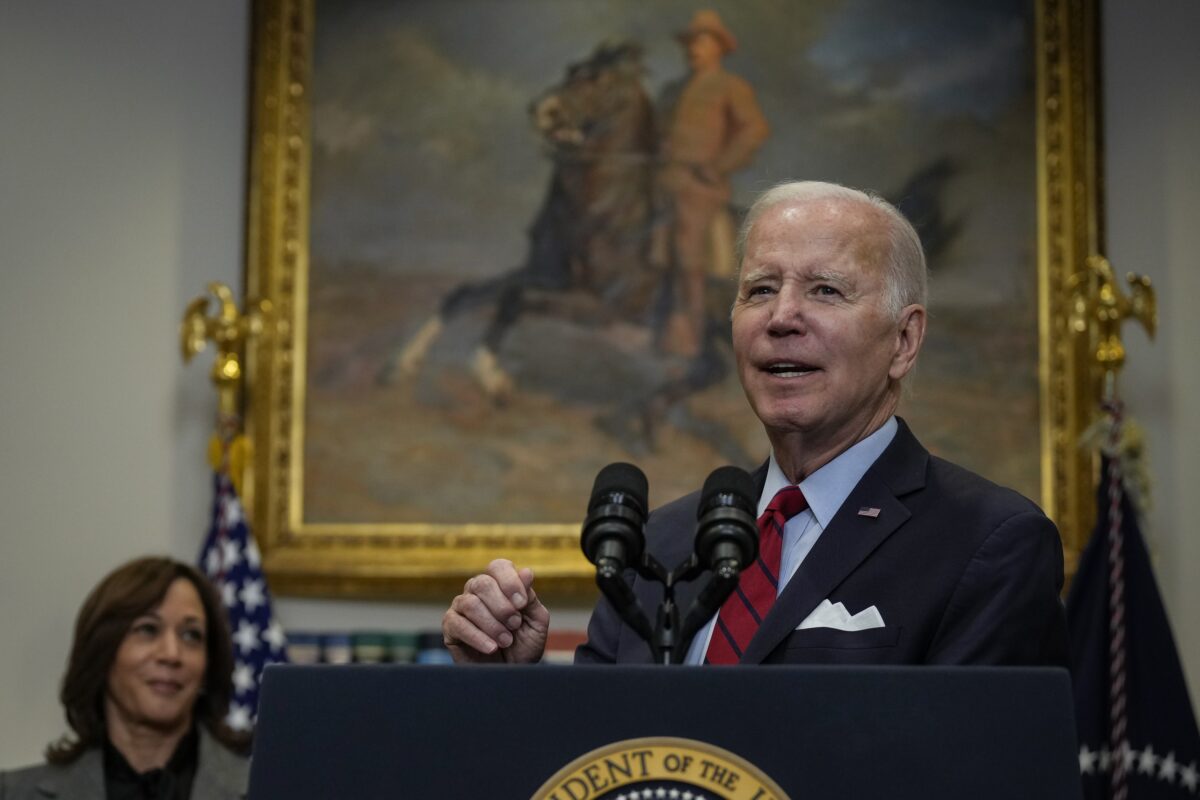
(1099, 310)
(231, 331)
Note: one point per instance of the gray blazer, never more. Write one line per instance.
(220, 775)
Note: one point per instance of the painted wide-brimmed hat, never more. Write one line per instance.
(707, 21)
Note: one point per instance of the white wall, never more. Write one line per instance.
(121, 172)
(1152, 125)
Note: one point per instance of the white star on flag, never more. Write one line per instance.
(243, 678)
(212, 562)
(274, 636)
(661, 792)
(229, 594)
(1166, 769)
(1189, 777)
(1087, 760)
(253, 557)
(231, 554)
(252, 595)
(232, 513)
(238, 717)
(1147, 761)
(246, 636)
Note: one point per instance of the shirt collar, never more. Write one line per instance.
(122, 780)
(827, 488)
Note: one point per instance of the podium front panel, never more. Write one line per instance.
(379, 731)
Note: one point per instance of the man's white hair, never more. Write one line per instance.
(907, 273)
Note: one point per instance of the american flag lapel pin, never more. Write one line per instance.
(868, 511)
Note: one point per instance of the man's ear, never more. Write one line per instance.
(910, 333)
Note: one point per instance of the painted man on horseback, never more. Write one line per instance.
(713, 126)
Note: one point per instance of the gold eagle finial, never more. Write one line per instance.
(1106, 308)
(230, 330)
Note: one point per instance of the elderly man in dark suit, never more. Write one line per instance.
(872, 551)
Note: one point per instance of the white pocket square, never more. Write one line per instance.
(835, 615)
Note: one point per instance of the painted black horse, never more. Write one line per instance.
(588, 246)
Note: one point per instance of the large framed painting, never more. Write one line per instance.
(457, 210)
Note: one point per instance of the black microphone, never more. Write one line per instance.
(726, 533)
(614, 531)
(726, 543)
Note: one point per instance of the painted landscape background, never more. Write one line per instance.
(426, 173)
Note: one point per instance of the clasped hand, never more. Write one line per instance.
(497, 618)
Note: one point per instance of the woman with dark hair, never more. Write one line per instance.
(147, 686)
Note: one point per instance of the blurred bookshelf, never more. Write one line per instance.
(400, 647)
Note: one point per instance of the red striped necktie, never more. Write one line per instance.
(743, 611)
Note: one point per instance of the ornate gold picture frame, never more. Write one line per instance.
(431, 557)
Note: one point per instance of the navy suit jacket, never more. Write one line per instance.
(962, 571)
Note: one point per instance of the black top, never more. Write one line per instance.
(172, 782)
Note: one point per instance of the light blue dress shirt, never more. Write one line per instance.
(826, 490)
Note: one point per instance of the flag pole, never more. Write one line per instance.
(230, 556)
(1112, 307)
(1101, 308)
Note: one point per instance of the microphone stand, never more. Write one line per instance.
(614, 536)
(668, 639)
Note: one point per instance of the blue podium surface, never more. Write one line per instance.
(626, 733)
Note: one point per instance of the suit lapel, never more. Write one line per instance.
(84, 778)
(849, 539)
(220, 775)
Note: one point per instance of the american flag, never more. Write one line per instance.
(232, 562)
(1137, 733)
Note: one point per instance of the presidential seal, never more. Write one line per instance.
(659, 768)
